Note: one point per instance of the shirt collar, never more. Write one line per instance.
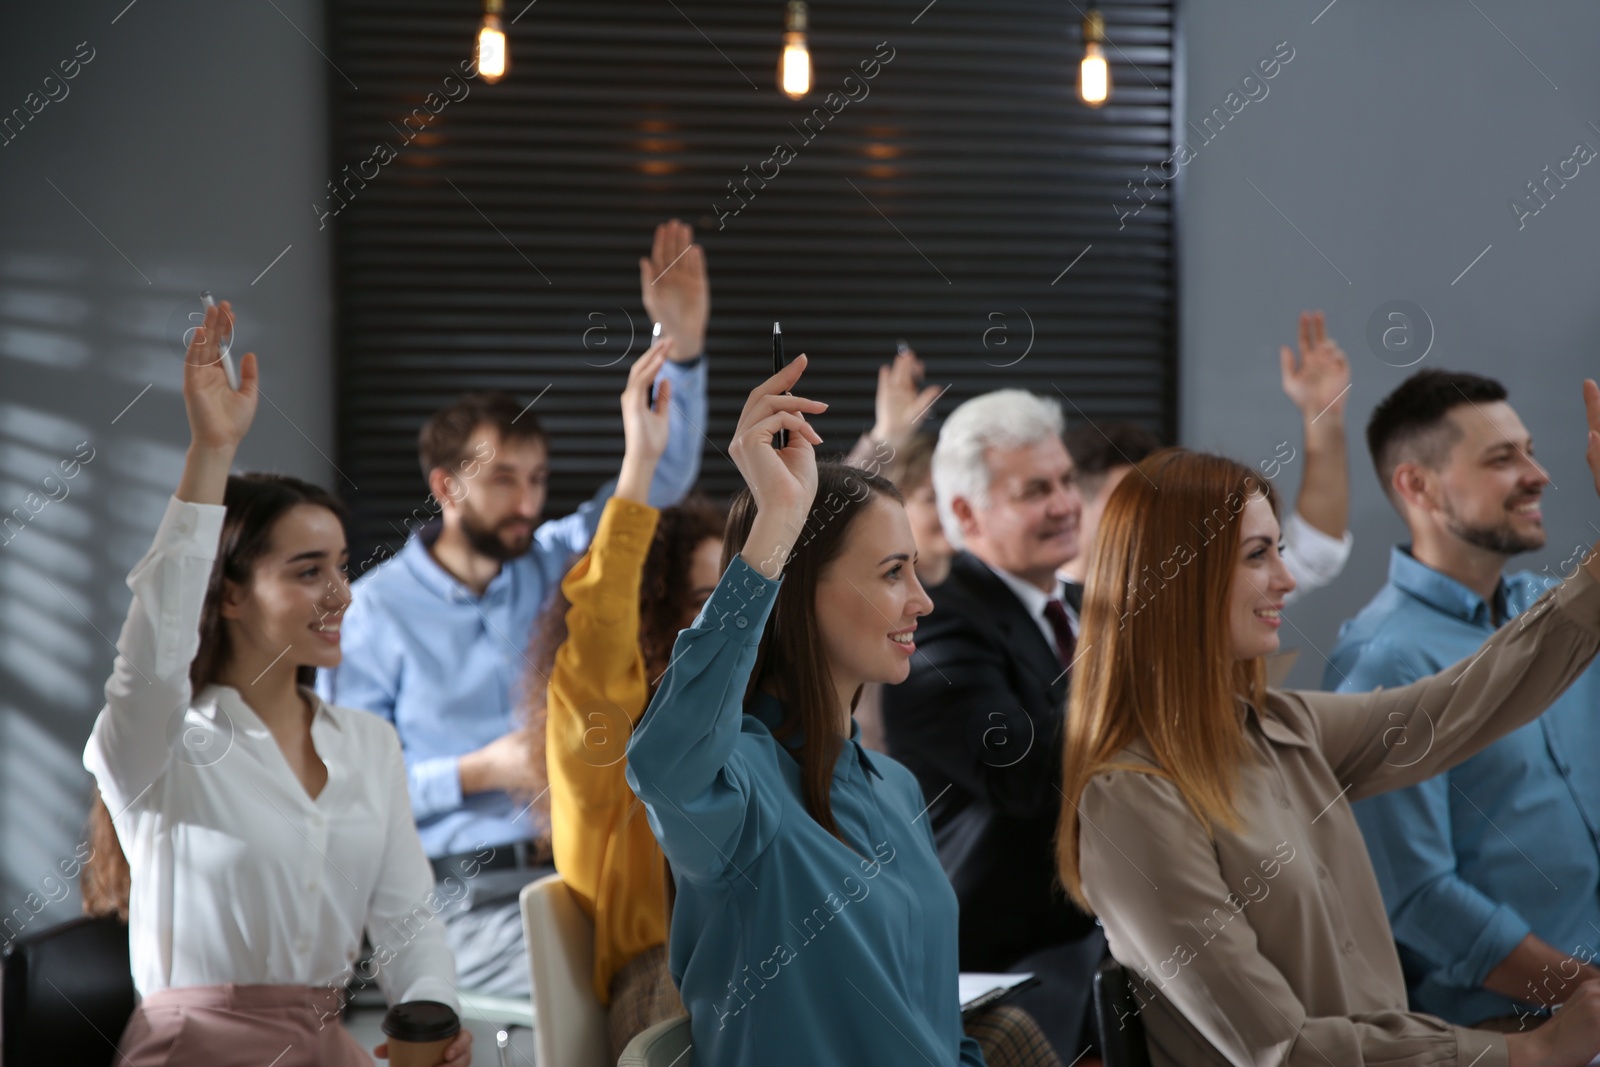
(1442, 592)
(432, 576)
(768, 710)
(1274, 729)
(1033, 598)
(228, 699)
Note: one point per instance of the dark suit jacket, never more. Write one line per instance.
(980, 723)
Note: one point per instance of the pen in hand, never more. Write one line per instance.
(781, 438)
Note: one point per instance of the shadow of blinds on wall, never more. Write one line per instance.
(941, 183)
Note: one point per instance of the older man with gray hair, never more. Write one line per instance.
(980, 719)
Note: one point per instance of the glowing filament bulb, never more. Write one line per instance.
(492, 58)
(794, 70)
(1094, 79)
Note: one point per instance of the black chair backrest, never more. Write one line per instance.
(65, 994)
(1117, 1012)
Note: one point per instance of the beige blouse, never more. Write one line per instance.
(1270, 945)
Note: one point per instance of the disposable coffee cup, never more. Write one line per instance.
(419, 1031)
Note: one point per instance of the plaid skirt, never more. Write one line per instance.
(1010, 1038)
(642, 994)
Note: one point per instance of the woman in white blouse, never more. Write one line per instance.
(263, 829)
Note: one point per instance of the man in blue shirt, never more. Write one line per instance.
(436, 638)
(1491, 871)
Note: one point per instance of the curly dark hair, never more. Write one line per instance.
(664, 597)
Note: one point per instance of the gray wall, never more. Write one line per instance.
(190, 148)
(1393, 140)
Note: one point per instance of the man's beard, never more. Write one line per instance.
(487, 541)
(1499, 538)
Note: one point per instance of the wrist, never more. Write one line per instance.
(1528, 1050)
(769, 543)
(211, 452)
(686, 347)
(1324, 427)
(633, 481)
(471, 773)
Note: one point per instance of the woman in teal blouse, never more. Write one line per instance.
(813, 923)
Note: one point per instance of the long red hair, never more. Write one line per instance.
(1157, 662)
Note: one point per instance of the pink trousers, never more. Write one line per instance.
(240, 1026)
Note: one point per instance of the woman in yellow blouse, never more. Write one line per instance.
(604, 641)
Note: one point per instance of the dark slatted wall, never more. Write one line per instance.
(499, 246)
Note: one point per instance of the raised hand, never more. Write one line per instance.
(219, 415)
(783, 481)
(900, 406)
(1319, 382)
(644, 425)
(676, 288)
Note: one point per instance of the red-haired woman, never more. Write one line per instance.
(1206, 819)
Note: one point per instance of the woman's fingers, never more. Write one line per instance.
(759, 407)
(763, 430)
(649, 363)
(249, 374)
(782, 381)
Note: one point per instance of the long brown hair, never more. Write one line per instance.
(254, 504)
(790, 658)
(664, 599)
(1159, 666)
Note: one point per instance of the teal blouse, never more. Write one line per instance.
(789, 946)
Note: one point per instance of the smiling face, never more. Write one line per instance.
(1030, 525)
(1260, 583)
(496, 503)
(869, 599)
(1487, 493)
(295, 598)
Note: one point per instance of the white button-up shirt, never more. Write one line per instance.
(239, 876)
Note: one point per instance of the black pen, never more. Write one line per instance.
(781, 438)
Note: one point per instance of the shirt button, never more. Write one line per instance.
(1322, 872)
(1283, 802)
(302, 946)
(741, 622)
(311, 886)
(1349, 947)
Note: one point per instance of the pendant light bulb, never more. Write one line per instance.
(794, 69)
(1094, 76)
(493, 59)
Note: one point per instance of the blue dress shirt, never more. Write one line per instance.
(789, 946)
(448, 667)
(1503, 845)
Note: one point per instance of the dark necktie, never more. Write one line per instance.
(1055, 613)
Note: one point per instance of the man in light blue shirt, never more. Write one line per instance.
(1491, 871)
(436, 639)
